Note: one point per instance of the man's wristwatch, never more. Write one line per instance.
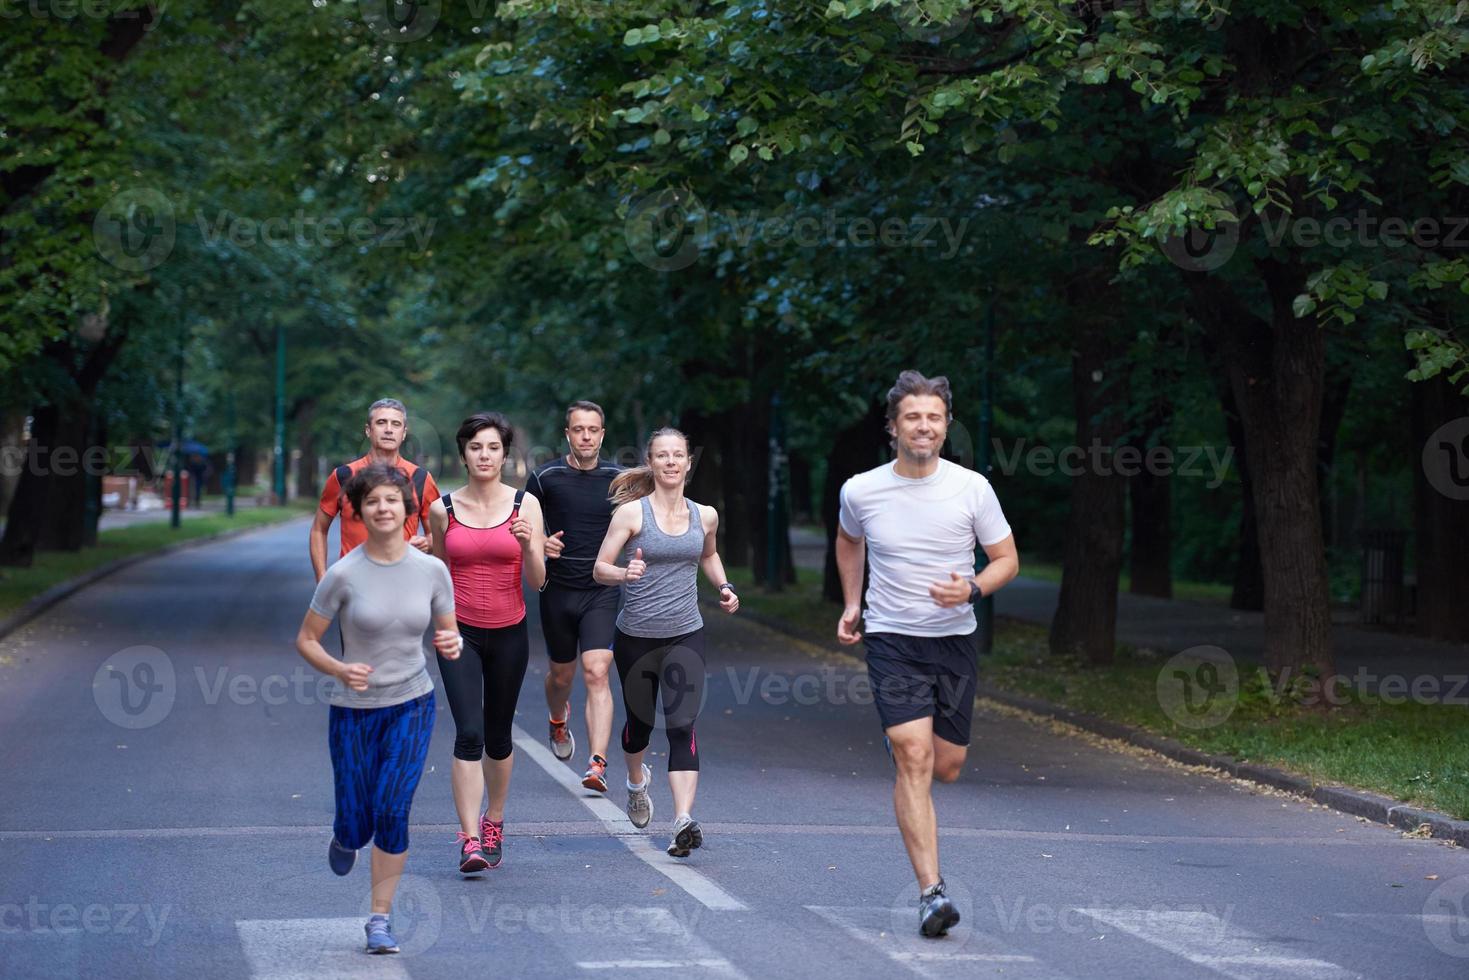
(726, 585)
(975, 592)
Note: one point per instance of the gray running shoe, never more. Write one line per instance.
(686, 836)
(639, 806)
(379, 937)
(936, 912)
(563, 743)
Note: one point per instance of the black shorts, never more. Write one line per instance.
(576, 620)
(924, 676)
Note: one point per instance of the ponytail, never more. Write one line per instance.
(637, 482)
(630, 485)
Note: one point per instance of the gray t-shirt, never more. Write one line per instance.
(383, 611)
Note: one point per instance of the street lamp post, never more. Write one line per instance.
(178, 433)
(280, 414)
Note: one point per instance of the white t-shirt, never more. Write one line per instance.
(918, 531)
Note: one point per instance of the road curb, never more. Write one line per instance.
(1354, 802)
(36, 605)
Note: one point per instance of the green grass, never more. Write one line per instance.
(1213, 592)
(17, 585)
(1417, 753)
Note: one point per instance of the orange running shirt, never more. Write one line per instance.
(353, 531)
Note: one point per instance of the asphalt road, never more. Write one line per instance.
(168, 801)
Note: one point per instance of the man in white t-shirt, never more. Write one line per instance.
(917, 520)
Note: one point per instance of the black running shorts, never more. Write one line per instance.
(924, 676)
(576, 620)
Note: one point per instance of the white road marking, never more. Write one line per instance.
(616, 824)
(875, 927)
(652, 964)
(552, 828)
(1209, 941)
(313, 949)
(656, 940)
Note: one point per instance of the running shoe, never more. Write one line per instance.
(471, 854)
(340, 858)
(686, 836)
(492, 832)
(379, 937)
(936, 912)
(563, 743)
(639, 804)
(596, 774)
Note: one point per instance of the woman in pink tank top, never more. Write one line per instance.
(491, 537)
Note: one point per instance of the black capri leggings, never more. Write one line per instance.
(676, 664)
(482, 687)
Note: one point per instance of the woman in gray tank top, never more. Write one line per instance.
(664, 539)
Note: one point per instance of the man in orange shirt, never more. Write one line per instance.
(387, 427)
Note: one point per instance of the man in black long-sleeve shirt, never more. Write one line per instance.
(578, 616)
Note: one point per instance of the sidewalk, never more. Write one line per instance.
(1171, 625)
(112, 519)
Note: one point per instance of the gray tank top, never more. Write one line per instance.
(665, 601)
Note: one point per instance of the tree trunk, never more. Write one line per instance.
(1152, 534)
(304, 419)
(30, 505)
(1441, 507)
(857, 448)
(800, 502)
(1248, 592)
(64, 526)
(1338, 388)
(1085, 624)
(12, 450)
(1151, 494)
(1277, 372)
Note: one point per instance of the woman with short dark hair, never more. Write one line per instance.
(384, 594)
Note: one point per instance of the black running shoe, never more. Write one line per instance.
(340, 858)
(936, 912)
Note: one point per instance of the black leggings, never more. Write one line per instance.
(482, 687)
(676, 663)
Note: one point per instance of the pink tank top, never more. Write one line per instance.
(485, 565)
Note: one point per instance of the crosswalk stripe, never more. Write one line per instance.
(312, 949)
(874, 927)
(615, 822)
(1207, 940)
